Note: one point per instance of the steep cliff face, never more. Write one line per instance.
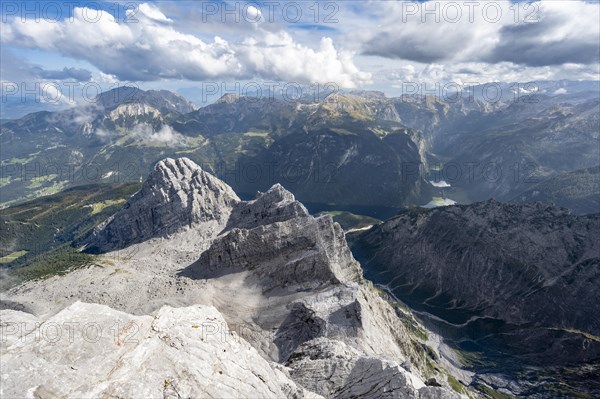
(579, 191)
(306, 252)
(162, 100)
(532, 270)
(287, 282)
(343, 164)
(489, 254)
(276, 205)
(176, 195)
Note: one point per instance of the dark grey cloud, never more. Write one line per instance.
(522, 44)
(16, 68)
(78, 74)
(412, 47)
(469, 71)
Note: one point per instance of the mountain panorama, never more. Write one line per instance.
(180, 269)
(300, 200)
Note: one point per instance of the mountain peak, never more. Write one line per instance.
(355, 106)
(163, 100)
(176, 169)
(228, 98)
(177, 195)
(277, 193)
(275, 205)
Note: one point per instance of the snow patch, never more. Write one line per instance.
(441, 183)
(437, 202)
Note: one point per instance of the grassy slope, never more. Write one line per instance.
(42, 230)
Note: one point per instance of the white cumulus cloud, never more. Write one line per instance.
(150, 48)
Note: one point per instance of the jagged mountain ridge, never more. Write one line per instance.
(122, 139)
(265, 265)
(529, 137)
(163, 100)
(505, 279)
(177, 194)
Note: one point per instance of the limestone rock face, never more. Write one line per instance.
(437, 393)
(179, 352)
(135, 109)
(276, 205)
(178, 194)
(303, 252)
(347, 373)
(305, 322)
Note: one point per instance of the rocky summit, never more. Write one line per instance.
(195, 293)
(176, 195)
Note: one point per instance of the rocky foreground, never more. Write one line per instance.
(196, 293)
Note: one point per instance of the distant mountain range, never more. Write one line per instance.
(346, 149)
(497, 280)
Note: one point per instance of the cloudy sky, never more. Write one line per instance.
(187, 46)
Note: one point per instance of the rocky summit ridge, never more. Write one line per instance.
(199, 294)
(177, 194)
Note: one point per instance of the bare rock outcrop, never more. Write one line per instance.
(275, 205)
(347, 373)
(303, 252)
(92, 351)
(312, 325)
(177, 195)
